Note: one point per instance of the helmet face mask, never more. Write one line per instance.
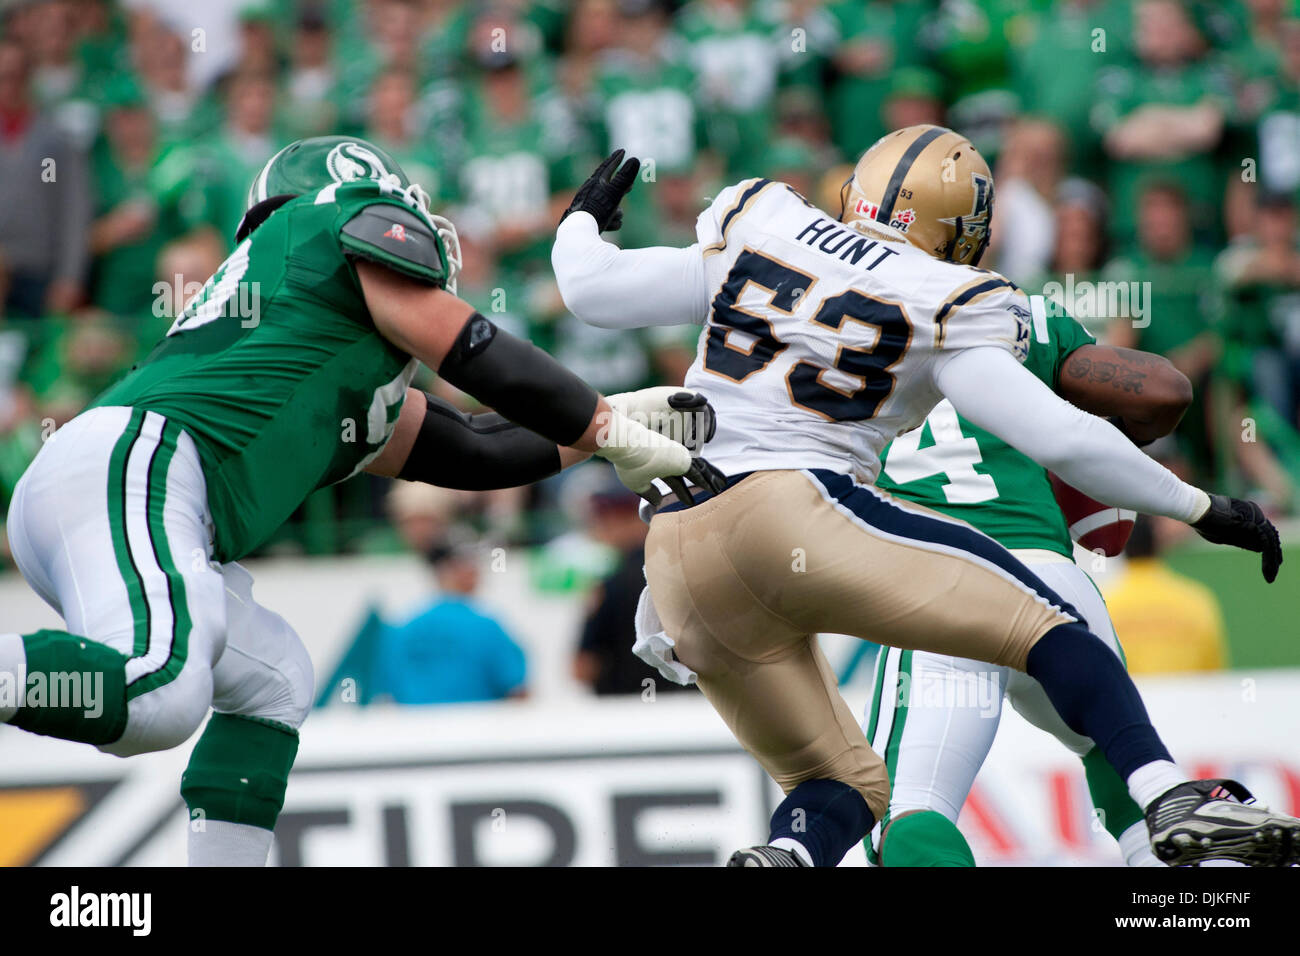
(309, 165)
(929, 184)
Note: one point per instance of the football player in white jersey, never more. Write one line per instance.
(824, 337)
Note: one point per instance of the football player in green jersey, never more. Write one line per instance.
(934, 716)
(287, 372)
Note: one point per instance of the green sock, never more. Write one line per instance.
(75, 690)
(926, 838)
(1109, 794)
(239, 770)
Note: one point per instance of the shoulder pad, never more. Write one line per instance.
(715, 223)
(397, 237)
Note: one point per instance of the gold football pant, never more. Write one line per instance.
(746, 580)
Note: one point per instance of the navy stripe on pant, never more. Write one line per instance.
(1085, 682)
(890, 518)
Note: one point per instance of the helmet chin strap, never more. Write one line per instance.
(844, 196)
(951, 250)
(984, 244)
(450, 242)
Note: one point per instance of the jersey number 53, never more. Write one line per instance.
(786, 287)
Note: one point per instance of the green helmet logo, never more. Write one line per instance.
(350, 161)
(308, 165)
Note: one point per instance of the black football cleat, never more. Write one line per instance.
(764, 856)
(1217, 820)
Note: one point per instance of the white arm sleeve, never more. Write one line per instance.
(990, 388)
(617, 288)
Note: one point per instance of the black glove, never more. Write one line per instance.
(699, 419)
(604, 190)
(699, 423)
(702, 474)
(1242, 524)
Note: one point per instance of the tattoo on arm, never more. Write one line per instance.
(1119, 375)
(1144, 392)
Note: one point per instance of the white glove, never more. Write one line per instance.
(655, 647)
(640, 455)
(676, 413)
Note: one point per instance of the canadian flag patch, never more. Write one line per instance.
(865, 207)
(396, 231)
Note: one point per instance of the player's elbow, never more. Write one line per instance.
(573, 281)
(1172, 396)
(586, 296)
(588, 276)
(1165, 399)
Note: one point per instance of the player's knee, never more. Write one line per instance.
(298, 684)
(876, 792)
(167, 716)
(278, 684)
(289, 685)
(871, 779)
(1020, 655)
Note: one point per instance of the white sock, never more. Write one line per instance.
(1151, 780)
(222, 843)
(13, 675)
(1135, 844)
(795, 847)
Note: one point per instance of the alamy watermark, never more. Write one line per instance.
(70, 690)
(950, 690)
(1087, 299)
(685, 428)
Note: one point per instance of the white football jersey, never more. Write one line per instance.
(820, 341)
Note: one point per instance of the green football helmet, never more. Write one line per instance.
(309, 165)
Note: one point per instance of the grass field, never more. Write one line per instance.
(1262, 621)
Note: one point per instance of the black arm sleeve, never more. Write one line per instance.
(520, 381)
(477, 452)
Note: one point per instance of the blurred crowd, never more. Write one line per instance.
(1147, 158)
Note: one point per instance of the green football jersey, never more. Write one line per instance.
(1120, 92)
(736, 55)
(275, 367)
(952, 466)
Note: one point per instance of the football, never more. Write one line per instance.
(1096, 526)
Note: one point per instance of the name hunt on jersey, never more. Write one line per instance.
(821, 341)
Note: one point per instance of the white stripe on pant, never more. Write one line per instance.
(955, 704)
(61, 537)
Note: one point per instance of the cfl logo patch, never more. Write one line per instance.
(396, 231)
(900, 220)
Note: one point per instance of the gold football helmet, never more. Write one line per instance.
(930, 184)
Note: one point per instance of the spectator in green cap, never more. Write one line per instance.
(914, 97)
(258, 49)
(127, 231)
(310, 108)
(971, 45)
(877, 40)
